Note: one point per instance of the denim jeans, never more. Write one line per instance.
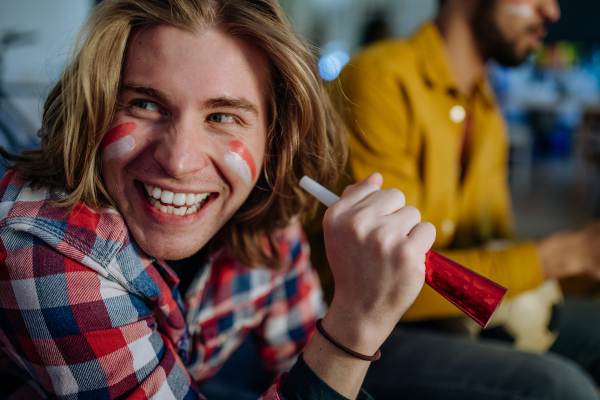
(420, 364)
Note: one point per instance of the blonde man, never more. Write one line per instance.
(179, 131)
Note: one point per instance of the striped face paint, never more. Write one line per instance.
(240, 160)
(521, 10)
(118, 141)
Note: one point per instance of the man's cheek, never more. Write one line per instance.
(240, 161)
(118, 142)
(520, 8)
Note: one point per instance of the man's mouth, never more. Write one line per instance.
(175, 203)
(538, 30)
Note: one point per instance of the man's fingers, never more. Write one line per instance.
(405, 220)
(355, 193)
(374, 178)
(423, 236)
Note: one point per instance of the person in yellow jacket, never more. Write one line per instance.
(421, 112)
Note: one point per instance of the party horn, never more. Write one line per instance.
(473, 294)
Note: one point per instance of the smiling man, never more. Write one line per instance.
(196, 121)
(179, 132)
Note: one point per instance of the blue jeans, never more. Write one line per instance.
(426, 365)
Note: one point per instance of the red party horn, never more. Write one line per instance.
(473, 294)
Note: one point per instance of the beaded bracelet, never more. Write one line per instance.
(353, 353)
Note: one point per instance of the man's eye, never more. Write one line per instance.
(145, 105)
(221, 118)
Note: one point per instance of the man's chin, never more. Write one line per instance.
(173, 255)
(511, 58)
(170, 249)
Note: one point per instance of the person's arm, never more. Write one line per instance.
(571, 253)
(376, 248)
(297, 303)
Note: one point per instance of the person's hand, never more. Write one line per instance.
(566, 254)
(376, 248)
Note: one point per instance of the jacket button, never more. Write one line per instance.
(457, 114)
(447, 227)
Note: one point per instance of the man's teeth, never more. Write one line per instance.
(181, 203)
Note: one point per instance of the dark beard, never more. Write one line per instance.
(492, 44)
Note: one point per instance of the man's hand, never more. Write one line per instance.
(566, 254)
(376, 248)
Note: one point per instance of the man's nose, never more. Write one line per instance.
(180, 151)
(550, 10)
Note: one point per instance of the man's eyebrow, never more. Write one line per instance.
(147, 90)
(231, 102)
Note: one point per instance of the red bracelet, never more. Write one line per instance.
(353, 353)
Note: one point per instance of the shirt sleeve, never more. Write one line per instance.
(297, 302)
(303, 384)
(79, 334)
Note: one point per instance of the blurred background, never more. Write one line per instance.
(35, 40)
(552, 102)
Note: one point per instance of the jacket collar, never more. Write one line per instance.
(435, 67)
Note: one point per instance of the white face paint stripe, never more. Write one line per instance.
(119, 148)
(522, 10)
(237, 164)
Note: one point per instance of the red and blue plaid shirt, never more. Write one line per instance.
(84, 313)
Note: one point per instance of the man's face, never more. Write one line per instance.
(508, 30)
(188, 138)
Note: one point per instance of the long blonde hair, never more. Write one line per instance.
(305, 135)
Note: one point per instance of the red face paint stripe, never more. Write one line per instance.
(238, 147)
(117, 133)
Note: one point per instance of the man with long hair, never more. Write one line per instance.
(179, 131)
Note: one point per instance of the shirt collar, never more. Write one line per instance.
(435, 67)
(99, 234)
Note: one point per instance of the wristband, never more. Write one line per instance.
(353, 353)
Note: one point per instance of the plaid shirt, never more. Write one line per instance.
(88, 315)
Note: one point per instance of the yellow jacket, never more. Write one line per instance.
(406, 120)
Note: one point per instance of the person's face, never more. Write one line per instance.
(190, 128)
(508, 30)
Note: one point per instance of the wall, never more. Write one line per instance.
(324, 21)
(31, 67)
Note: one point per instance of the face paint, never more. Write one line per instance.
(118, 141)
(522, 10)
(240, 161)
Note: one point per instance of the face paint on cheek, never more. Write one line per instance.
(118, 141)
(521, 10)
(240, 160)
